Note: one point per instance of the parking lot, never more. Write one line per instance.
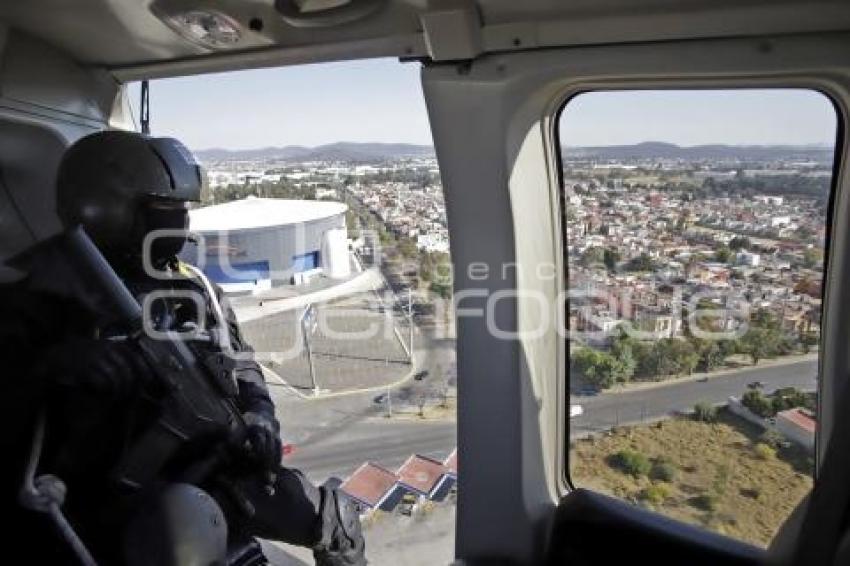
(356, 343)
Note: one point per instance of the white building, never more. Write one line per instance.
(798, 425)
(780, 221)
(749, 259)
(769, 199)
(257, 243)
(433, 242)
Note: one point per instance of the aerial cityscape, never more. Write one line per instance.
(695, 280)
(696, 296)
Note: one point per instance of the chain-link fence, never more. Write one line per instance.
(354, 342)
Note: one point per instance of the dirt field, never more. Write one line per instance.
(723, 477)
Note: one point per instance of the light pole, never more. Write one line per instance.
(410, 322)
(308, 326)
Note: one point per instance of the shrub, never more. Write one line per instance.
(633, 463)
(706, 502)
(764, 452)
(705, 412)
(773, 439)
(788, 398)
(662, 470)
(721, 480)
(655, 494)
(756, 402)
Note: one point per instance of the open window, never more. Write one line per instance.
(696, 226)
(327, 234)
(511, 167)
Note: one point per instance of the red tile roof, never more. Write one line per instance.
(369, 484)
(421, 474)
(799, 417)
(451, 462)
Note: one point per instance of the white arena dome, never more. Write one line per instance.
(257, 243)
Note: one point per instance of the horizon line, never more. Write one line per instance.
(811, 145)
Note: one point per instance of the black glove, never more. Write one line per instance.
(264, 439)
(110, 368)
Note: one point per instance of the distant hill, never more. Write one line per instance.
(376, 152)
(340, 151)
(663, 150)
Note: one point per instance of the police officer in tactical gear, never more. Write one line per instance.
(131, 192)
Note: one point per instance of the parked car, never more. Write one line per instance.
(587, 392)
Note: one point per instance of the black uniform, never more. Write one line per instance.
(292, 510)
(61, 348)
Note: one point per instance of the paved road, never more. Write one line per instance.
(603, 411)
(384, 442)
(390, 442)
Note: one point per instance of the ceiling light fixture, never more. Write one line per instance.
(206, 28)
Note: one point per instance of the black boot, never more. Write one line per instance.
(342, 542)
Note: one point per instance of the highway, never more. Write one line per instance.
(388, 442)
(603, 411)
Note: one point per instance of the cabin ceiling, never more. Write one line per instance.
(131, 39)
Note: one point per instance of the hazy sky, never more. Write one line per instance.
(378, 100)
(737, 117)
(381, 100)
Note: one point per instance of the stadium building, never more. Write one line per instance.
(259, 243)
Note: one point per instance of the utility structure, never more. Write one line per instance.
(410, 323)
(309, 322)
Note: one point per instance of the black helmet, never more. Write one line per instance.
(115, 182)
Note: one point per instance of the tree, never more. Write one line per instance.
(740, 243)
(641, 263)
(763, 318)
(808, 340)
(684, 356)
(728, 347)
(593, 256)
(611, 257)
(665, 357)
(812, 258)
(789, 398)
(622, 350)
(407, 248)
(723, 254)
(756, 402)
(711, 355)
(759, 343)
(441, 289)
(806, 234)
(598, 369)
(628, 364)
